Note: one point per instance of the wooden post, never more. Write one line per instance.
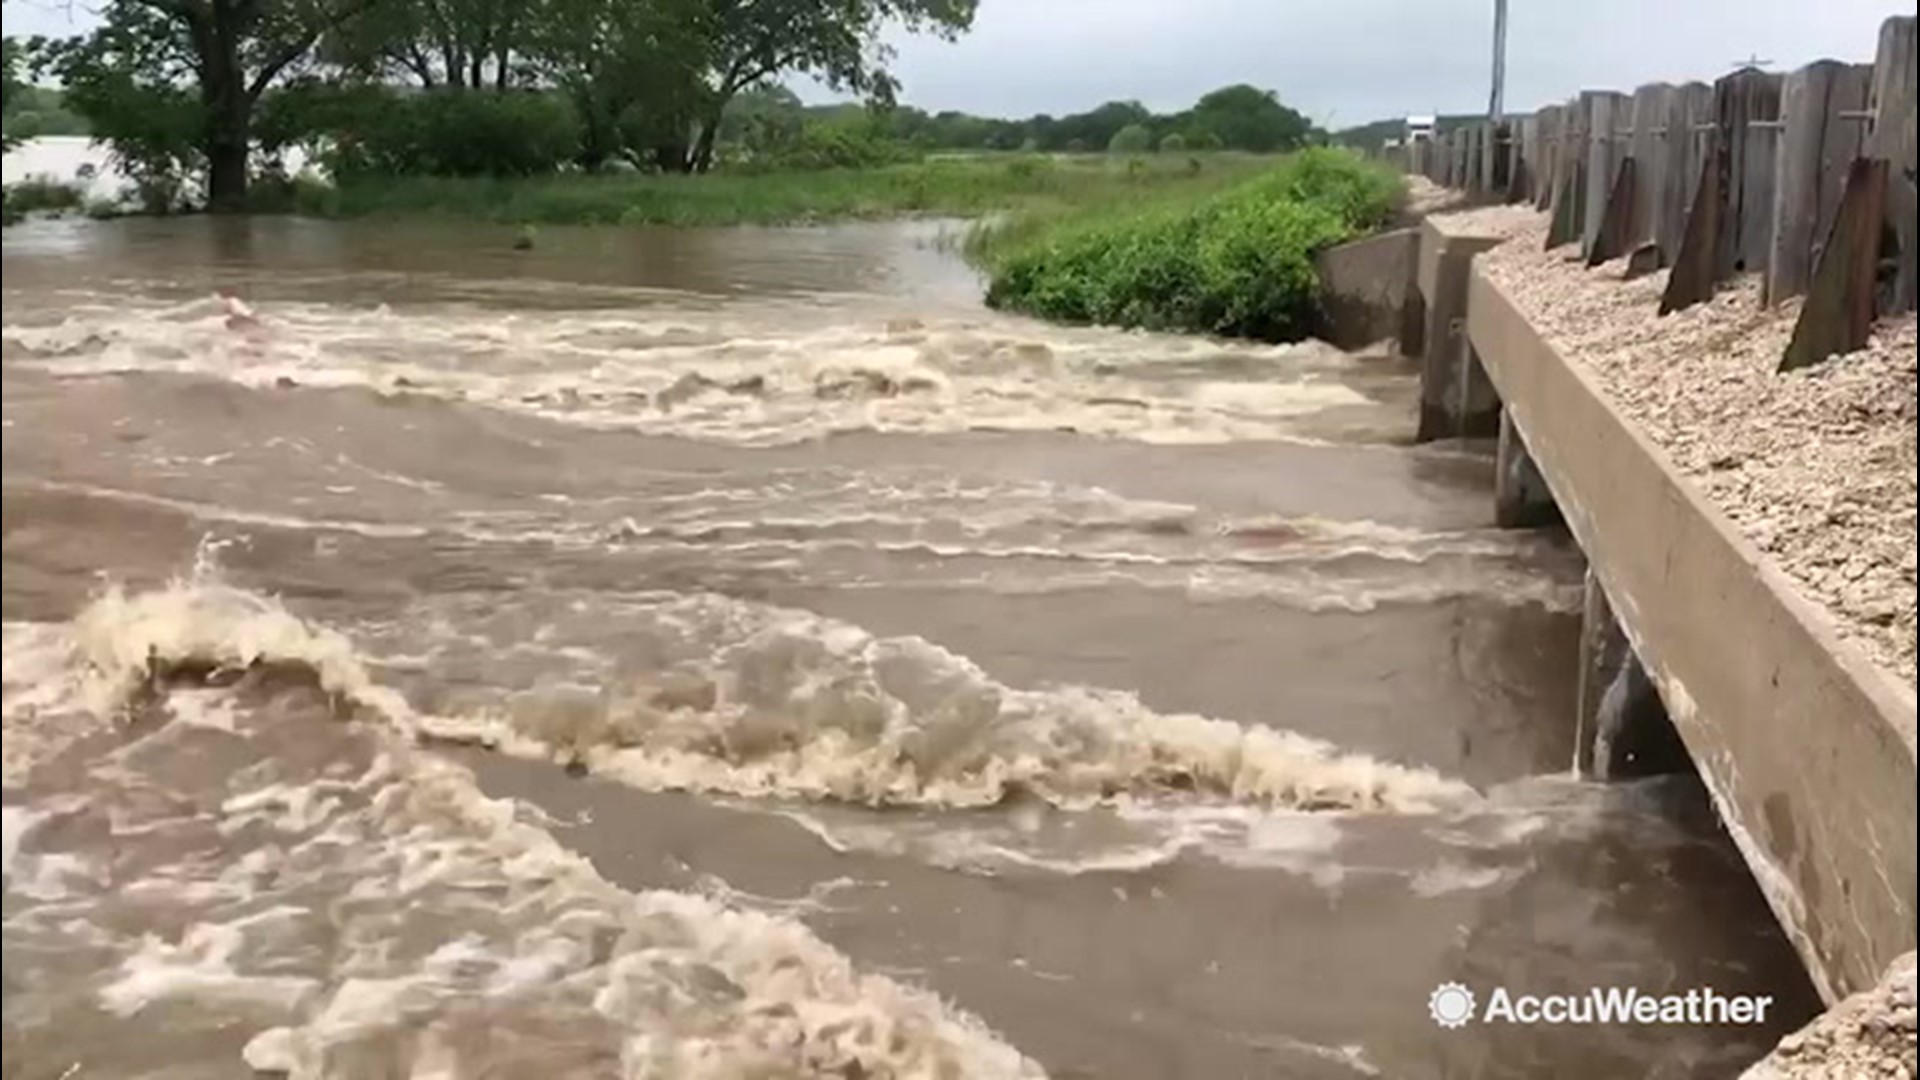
(1614, 238)
(1522, 159)
(1732, 212)
(1470, 164)
(1689, 134)
(1495, 158)
(1604, 151)
(1748, 110)
(1692, 279)
(1823, 113)
(1838, 316)
(1892, 140)
(1652, 106)
(1551, 119)
(1569, 194)
(1547, 156)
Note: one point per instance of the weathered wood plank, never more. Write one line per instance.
(1893, 105)
(1494, 156)
(1838, 315)
(1523, 159)
(1689, 135)
(1476, 136)
(1615, 235)
(1648, 148)
(1693, 277)
(1822, 112)
(1747, 104)
(1607, 111)
(1547, 156)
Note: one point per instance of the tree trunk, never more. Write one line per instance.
(223, 88)
(227, 174)
(703, 152)
(672, 157)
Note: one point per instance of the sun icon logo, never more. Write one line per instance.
(1451, 1005)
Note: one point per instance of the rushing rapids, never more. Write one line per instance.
(738, 654)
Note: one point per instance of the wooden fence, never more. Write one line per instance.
(1806, 180)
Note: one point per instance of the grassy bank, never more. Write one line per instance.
(1237, 261)
(958, 186)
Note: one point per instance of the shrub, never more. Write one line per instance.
(1132, 139)
(818, 146)
(1239, 263)
(43, 193)
(374, 130)
(1173, 143)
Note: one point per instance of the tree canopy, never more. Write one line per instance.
(176, 86)
(219, 89)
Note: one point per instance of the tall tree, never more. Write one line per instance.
(460, 44)
(632, 69)
(835, 41)
(228, 51)
(1246, 118)
(14, 54)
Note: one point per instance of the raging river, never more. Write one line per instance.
(739, 654)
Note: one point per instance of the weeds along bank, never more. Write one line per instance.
(957, 186)
(1235, 262)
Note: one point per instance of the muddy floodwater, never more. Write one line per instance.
(738, 653)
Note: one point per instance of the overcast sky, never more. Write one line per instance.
(1342, 62)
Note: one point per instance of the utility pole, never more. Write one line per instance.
(1497, 107)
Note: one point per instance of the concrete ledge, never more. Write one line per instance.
(1455, 399)
(1807, 746)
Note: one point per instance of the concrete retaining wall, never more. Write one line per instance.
(1367, 294)
(1807, 746)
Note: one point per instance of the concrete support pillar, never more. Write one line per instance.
(1622, 728)
(1521, 499)
(1457, 400)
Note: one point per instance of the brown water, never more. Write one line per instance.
(885, 687)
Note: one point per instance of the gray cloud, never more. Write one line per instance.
(1356, 60)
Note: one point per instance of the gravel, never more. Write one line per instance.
(1868, 1035)
(1817, 467)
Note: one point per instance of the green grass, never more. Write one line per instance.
(1237, 261)
(958, 186)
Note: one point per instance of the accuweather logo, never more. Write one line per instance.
(1453, 1005)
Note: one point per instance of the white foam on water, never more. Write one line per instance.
(728, 377)
(794, 706)
(788, 705)
(200, 969)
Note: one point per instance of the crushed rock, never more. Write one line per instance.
(1425, 198)
(1816, 466)
(1869, 1035)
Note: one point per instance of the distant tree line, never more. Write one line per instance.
(222, 89)
(1236, 117)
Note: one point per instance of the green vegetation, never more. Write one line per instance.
(1236, 263)
(1132, 139)
(38, 194)
(178, 88)
(215, 95)
(28, 111)
(953, 186)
